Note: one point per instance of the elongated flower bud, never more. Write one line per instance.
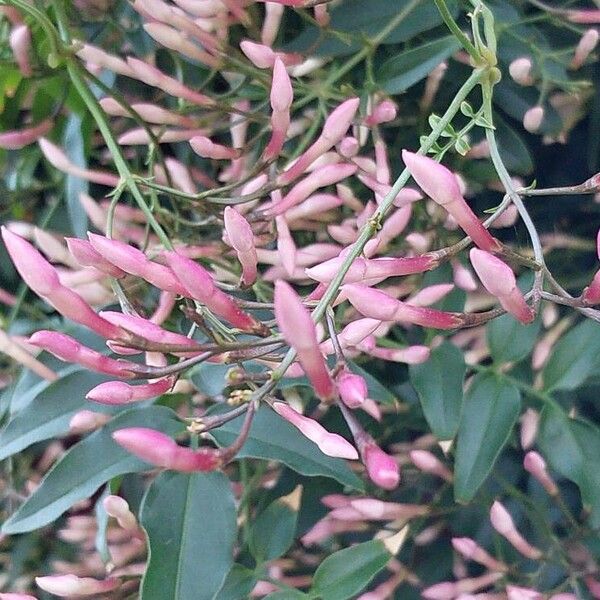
(330, 444)
(411, 355)
(591, 15)
(16, 596)
(536, 465)
(118, 508)
(333, 131)
(385, 111)
(299, 332)
(43, 279)
(383, 470)
(260, 55)
(119, 392)
(20, 44)
(532, 120)
(520, 70)
(586, 44)
(70, 350)
(514, 592)
(240, 236)
(442, 186)
(198, 284)
(429, 463)
(84, 421)
(376, 304)
(502, 522)
(319, 178)
(499, 280)
(135, 262)
(97, 56)
(286, 248)
(471, 551)
(160, 450)
(352, 388)
(206, 148)
(591, 294)
(85, 254)
(281, 98)
(67, 586)
(19, 138)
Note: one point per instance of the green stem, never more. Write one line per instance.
(457, 31)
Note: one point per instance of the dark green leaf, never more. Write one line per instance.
(346, 572)
(509, 340)
(513, 150)
(238, 584)
(209, 378)
(272, 438)
(286, 595)
(407, 68)
(439, 384)
(574, 358)
(49, 413)
(74, 145)
(490, 409)
(86, 466)
(190, 520)
(272, 532)
(572, 448)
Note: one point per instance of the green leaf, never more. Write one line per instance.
(512, 148)
(190, 520)
(490, 410)
(74, 145)
(407, 68)
(439, 384)
(346, 572)
(273, 531)
(209, 378)
(49, 413)
(86, 466)
(238, 584)
(272, 438)
(287, 595)
(509, 340)
(574, 358)
(572, 447)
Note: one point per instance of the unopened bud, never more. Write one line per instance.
(532, 120)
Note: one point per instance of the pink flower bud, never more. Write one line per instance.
(376, 304)
(67, 586)
(499, 280)
(384, 112)
(586, 44)
(441, 185)
(261, 56)
(160, 450)
(152, 76)
(352, 389)
(312, 207)
(383, 470)
(321, 177)
(299, 331)
(86, 256)
(240, 236)
(43, 279)
(15, 596)
(135, 262)
(272, 20)
(440, 591)
(431, 294)
(563, 597)
(411, 355)
(349, 147)
(394, 225)
(502, 522)
(176, 40)
(97, 56)
(520, 70)
(281, 97)
(119, 392)
(377, 510)
(206, 148)
(286, 247)
(532, 120)
(529, 427)
(330, 444)
(20, 44)
(536, 465)
(429, 463)
(87, 420)
(70, 350)
(463, 278)
(591, 15)
(118, 508)
(471, 551)
(334, 129)
(198, 284)
(17, 139)
(520, 593)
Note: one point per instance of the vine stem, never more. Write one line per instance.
(456, 30)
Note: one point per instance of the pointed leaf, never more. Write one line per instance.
(509, 340)
(490, 410)
(86, 466)
(346, 572)
(190, 520)
(439, 384)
